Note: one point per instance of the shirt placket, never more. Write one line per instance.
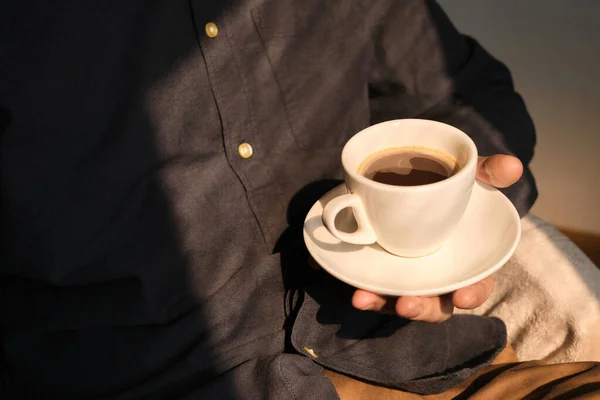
(228, 90)
(238, 122)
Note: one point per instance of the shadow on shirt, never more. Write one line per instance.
(302, 276)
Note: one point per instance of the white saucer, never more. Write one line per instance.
(485, 239)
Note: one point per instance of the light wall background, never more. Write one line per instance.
(552, 48)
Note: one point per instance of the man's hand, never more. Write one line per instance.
(499, 171)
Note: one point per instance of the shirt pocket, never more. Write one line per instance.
(319, 60)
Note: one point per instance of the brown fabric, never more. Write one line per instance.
(507, 355)
(588, 242)
(504, 379)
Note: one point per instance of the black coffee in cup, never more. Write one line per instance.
(408, 166)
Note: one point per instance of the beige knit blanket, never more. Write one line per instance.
(549, 297)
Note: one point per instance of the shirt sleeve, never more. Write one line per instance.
(424, 68)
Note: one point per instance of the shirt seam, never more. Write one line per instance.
(286, 380)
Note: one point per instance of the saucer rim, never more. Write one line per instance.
(440, 290)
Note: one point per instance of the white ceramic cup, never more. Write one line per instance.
(408, 221)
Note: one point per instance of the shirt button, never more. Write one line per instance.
(245, 150)
(311, 352)
(211, 29)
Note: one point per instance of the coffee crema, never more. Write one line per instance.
(408, 166)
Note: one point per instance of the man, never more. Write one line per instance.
(158, 160)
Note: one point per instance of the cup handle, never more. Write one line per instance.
(364, 234)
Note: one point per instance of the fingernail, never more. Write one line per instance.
(368, 307)
(415, 312)
(471, 301)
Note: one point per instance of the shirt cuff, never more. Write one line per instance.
(388, 350)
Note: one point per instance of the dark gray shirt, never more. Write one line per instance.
(143, 257)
